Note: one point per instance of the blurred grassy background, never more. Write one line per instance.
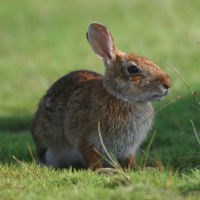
(43, 40)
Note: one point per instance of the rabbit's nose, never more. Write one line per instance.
(165, 81)
(166, 86)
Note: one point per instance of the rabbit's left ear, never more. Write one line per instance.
(101, 41)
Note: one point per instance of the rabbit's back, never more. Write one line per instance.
(62, 89)
(48, 124)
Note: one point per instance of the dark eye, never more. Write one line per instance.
(133, 69)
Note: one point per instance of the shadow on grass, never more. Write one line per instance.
(15, 123)
(15, 138)
(17, 145)
(175, 144)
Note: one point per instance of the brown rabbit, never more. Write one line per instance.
(65, 125)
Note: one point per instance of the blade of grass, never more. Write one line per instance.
(183, 79)
(193, 93)
(195, 131)
(148, 149)
(31, 152)
(115, 163)
(25, 167)
(111, 160)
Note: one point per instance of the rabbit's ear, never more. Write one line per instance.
(101, 41)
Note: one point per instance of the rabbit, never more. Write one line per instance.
(65, 126)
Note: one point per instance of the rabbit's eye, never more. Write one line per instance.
(133, 69)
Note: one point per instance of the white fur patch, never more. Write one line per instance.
(65, 157)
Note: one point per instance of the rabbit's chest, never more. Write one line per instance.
(122, 135)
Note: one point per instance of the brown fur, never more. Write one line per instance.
(65, 125)
(90, 155)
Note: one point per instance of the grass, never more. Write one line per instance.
(43, 40)
(32, 182)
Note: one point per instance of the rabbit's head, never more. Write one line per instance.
(128, 77)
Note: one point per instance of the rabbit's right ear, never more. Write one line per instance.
(101, 41)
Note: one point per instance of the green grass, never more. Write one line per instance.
(32, 182)
(43, 40)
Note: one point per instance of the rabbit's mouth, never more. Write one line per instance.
(158, 97)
